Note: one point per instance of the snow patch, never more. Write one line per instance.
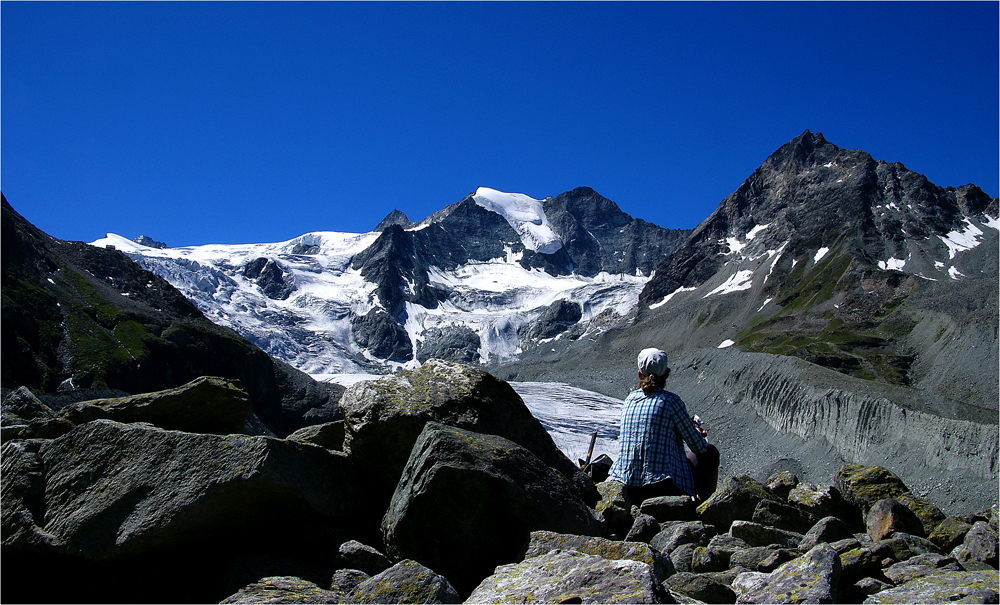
(741, 280)
(960, 241)
(955, 273)
(753, 232)
(667, 298)
(765, 304)
(893, 264)
(725, 344)
(820, 254)
(525, 215)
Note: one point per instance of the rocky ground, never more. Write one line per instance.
(437, 486)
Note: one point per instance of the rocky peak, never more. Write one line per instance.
(145, 240)
(395, 217)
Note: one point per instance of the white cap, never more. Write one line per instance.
(652, 361)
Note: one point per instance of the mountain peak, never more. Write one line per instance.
(525, 214)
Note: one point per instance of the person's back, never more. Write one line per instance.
(655, 424)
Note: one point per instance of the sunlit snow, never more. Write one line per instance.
(725, 344)
(741, 280)
(525, 215)
(820, 254)
(893, 264)
(667, 298)
(959, 241)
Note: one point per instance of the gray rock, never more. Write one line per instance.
(328, 434)
(683, 532)
(616, 508)
(644, 528)
(207, 404)
(268, 275)
(458, 344)
(944, 587)
(819, 500)
(756, 534)
(21, 405)
(564, 574)
(145, 240)
(542, 542)
(282, 589)
(901, 546)
(860, 590)
(114, 490)
(920, 566)
(405, 582)
(355, 555)
(383, 418)
(382, 336)
(703, 587)
(979, 548)
(670, 508)
(466, 503)
(761, 558)
(781, 483)
(827, 529)
(950, 533)
(811, 578)
(553, 320)
(344, 581)
(736, 498)
(683, 557)
(783, 516)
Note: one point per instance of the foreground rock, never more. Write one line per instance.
(107, 490)
(205, 405)
(383, 418)
(567, 576)
(467, 501)
(282, 589)
(405, 582)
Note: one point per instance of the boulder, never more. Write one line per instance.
(355, 555)
(889, 516)
(282, 589)
(950, 533)
(644, 528)
(21, 405)
(561, 575)
(827, 529)
(860, 590)
(113, 490)
(919, 566)
(979, 548)
(616, 508)
(682, 532)
(781, 483)
(737, 498)
(702, 587)
(205, 405)
(901, 546)
(328, 434)
(542, 542)
(756, 534)
(344, 581)
(670, 508)
(683, 557)
(467, 502)
(945, 586)
(383, 418)
(405, 582)
(811, 578)
(864, 486)
(719, 552)
(819, 500)
(761, 558)
(783, 516)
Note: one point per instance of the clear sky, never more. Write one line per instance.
(257, 122)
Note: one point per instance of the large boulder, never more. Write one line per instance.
(467, 502)
(405, 582)
(864, 486)
(107, 490)
(383, 418)
(207, 404)
(945, 586)
(567, 576)
(811, 578)
(542, 542)
(281, 589)
(737, 498)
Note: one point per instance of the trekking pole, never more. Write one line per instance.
(590, 451)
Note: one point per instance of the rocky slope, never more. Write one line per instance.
(81, 322)
(440, 488)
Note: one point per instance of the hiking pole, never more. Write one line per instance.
(590, 451)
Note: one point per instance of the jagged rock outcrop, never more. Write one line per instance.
(554, 320)
(267, 274)
(453, 343)
(145, 240)
(598, 236)
(384, 337)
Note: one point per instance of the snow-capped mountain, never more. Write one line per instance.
(472, 283)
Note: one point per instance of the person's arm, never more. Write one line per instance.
(688, 429)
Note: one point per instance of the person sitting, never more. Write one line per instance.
(655, 425)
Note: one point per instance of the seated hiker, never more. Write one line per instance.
(654, 427)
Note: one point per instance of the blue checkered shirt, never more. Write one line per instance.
(651, 441)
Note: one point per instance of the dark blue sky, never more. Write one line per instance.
(254, 122)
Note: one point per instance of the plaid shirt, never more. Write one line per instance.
(650, 441)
